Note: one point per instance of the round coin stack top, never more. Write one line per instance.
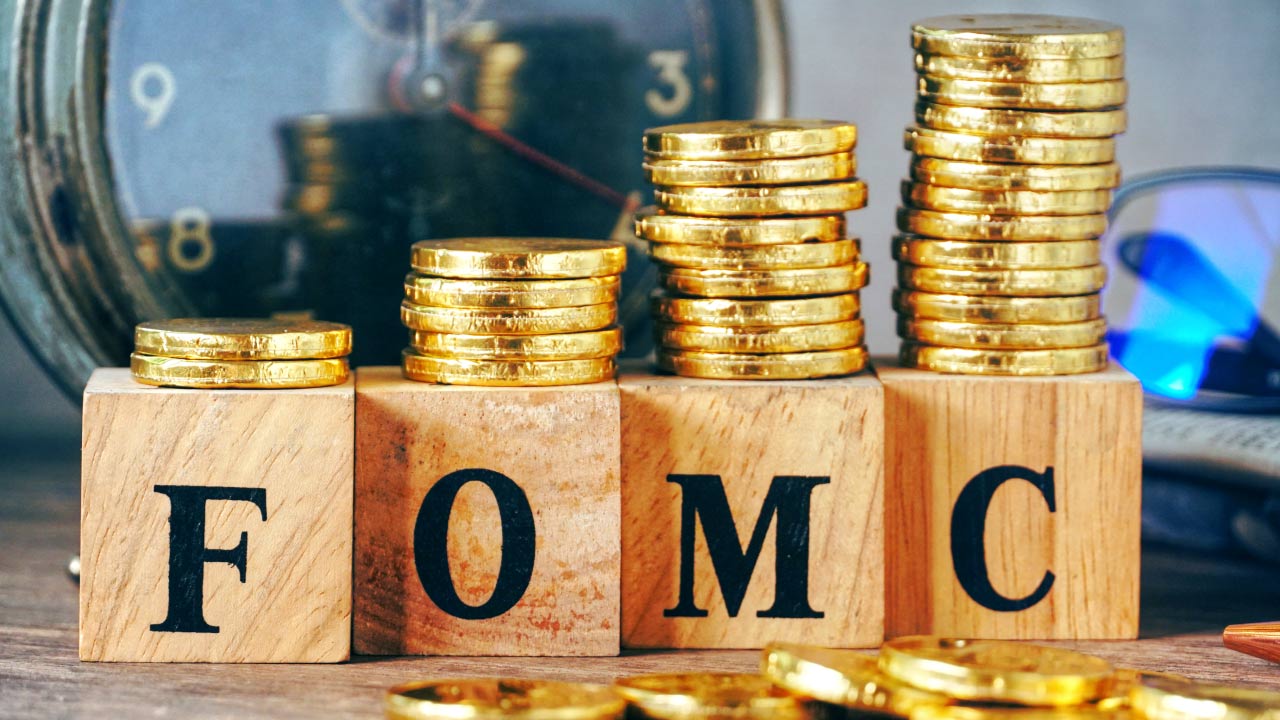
(512, 311)
(759, 278)
(1013, 163)
(217, 353)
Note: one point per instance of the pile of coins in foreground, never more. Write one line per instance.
(759, 278)
(1011, 175)
(512, 311)
(921, 678)
(240, 353)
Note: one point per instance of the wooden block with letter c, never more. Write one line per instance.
(215, 524)
(1013, 504)
(752, 512)
(487, 519)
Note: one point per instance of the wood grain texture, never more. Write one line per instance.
(295, 604)
(559, 445)
(943, 430)
(748, 433)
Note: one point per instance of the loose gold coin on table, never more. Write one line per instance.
(823, 199)
(787, 339)
(996, 671)
(969, 361)
(516, 258)
(1004, 336)
(1009, 149)
(756, 313)
(242, 339)
(1099, 95)
(843, 677)
(453, 292)
(502, 699)
(1003, 122)
(558, 346)
(505, 373)
(1020, 36)
(1005, 202)
(749, 139)
(507, 321)
(1016, 283)
(990, 255)
(1159, 698)
(975, 226)
(1003, 176)
(1022, 70)
(772, 171)
(256, 374)
(692, 229)
(990, 308)
(765, 283)
(756, 257)
(699, 696)
(779, 366)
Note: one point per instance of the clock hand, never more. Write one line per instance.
(537, 157)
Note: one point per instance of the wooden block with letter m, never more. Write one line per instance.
(215, 524)
(1013, 504)
(752, 512)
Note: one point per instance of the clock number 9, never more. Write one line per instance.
(670, 65)
(152, 89)
(190, 241)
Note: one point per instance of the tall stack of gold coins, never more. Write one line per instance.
(759, 278)
(512, 311)
(240, 353)
(1011, 175)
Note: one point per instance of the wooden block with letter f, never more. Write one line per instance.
(486, 518)
(1013, 504)
(752, 512)
(215, 524)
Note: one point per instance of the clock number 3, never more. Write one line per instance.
(678, 91)
(152, 88)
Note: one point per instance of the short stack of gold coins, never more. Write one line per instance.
(759, 278)
(1013, 163)
(513, 311)
(214, 353)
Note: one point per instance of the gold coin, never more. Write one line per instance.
(504, 373)
(749, 139)
(1003, 122)
(1025, 96)
(969, 361)
(1000, 176)
(259, 374)
(771, 171)
(779, 366)
(756, 257)
(557, 346)
(242, 339)
(824, 199)
(756, 313)
(990, 308)
(1022, 70)
(1157, 698)
(697, 230)
(960, 712)
(765, 283)
(507, 321)
(526, 258)
(971, 226)
(1006, 336)
(787, 339)
(842, 677)
(1014, 35)
(1009, 149)
(1005, 202)
(695, 696)
(502, 699)
(1124, 680)
(454, 292)
(996, 671)
(1053, 282)
(989, 255)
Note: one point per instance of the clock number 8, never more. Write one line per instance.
(670, 65)
(190, 240)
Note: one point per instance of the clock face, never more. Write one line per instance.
(281, 157)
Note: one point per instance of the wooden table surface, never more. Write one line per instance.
(1186, 601)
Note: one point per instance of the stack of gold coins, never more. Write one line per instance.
(240, 353)
(1011, 175)
(512, 311)
(759, 278)
(501, 698)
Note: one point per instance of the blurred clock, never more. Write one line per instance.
(235, 157)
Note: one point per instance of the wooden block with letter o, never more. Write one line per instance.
(486, 518)
(215, 524)
(752, 512)
(1013, 505)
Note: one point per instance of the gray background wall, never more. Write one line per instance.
(1204, 89)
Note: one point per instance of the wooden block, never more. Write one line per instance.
(1013, 505)
(215, 525)
(752, 512)
(486, 518)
